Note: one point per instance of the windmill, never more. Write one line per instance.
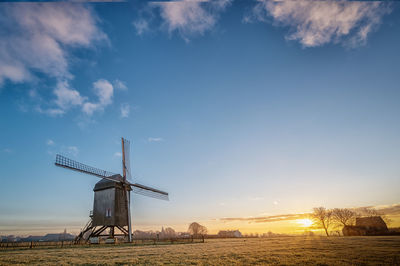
(111, 205)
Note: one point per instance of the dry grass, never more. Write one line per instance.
(284, 250)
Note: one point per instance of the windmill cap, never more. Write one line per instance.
(106, 183)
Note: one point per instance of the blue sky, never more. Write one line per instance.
(236, 108)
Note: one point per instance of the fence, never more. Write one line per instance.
(69, 244)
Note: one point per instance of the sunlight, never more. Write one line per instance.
(305, 222)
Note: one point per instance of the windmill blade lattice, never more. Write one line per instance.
(149, 191)
(65, 162)
(127, 152)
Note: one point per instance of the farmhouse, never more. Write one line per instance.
(366, 226)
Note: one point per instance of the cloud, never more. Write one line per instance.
(267, 219)
(67, 97)
(150, 139)
(50, 111)
(125, 109)
(141, 25)
(73, 150)
(187, 17)
(118, 154)
(36, 37)
(104, 91)
(36, 40)
(315, 23)
(50, 142)
(118, 84)
(393, 209)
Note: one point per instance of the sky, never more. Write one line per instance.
(242, 110)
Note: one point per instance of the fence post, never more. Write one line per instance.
(31, 245)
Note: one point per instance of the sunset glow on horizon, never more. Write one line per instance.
(305, 222)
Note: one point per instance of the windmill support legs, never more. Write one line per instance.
(112, 231)
(95, 231)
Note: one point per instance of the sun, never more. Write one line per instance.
(304, 222)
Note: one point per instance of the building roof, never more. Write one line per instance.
(374, 221)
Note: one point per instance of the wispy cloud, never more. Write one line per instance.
(186, 17)
(66, 97)
(120, 85)
(315, 23)
(267, 219)
(73, 150)
(141, 25)
(125, 110)
(104, 91)
(53, 148)
(118, 154)
(393, 209)
(151, 139)
(50, 111)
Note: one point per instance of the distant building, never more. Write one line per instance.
(184, 235)
(366, 226)
(230, 233)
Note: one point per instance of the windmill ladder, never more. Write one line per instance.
(88, 227)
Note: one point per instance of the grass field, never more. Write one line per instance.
(279, 250)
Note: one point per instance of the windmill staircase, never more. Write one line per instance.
(83, 236)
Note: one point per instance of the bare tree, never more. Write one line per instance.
(343, 216)
(368, 212)
(323, 218)
(169, 232)
(197, 229)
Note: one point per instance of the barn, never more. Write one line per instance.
(366, 226)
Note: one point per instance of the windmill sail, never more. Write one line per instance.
(149, 191)
(126, 162)
(65, 162)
